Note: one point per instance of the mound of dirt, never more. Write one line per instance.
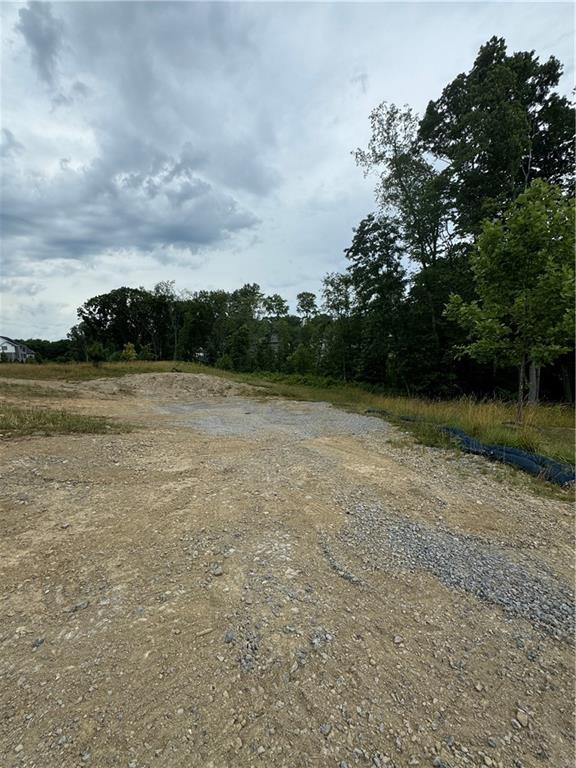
(167, 385)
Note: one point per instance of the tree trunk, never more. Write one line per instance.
(533, 382)
(520, 401)
(566, 384)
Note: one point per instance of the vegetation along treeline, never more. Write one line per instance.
(460, 281)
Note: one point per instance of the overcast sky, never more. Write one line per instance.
(209, 143)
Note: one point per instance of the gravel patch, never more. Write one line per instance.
(293, 420)
(522, 587)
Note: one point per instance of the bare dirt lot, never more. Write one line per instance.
(246, 581)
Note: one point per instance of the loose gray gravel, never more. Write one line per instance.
(292, 420)
(520, 585)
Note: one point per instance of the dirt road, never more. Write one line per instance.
(244, 581)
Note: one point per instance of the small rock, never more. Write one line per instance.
(216, 569)
(85, 756)
(79, 606)
(230, 636)
(325, 729)
(398, 640)
(488, 761)
(522, 718)
(492, 742)
(38, 642)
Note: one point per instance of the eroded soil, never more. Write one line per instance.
(225, 586)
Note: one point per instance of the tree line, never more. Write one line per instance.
(460, 281)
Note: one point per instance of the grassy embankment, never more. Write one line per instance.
(548, 428)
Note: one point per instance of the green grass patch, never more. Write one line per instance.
(29, 391)
(19, 421)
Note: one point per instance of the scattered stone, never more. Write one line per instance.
(79, 606)
(522, 718)
(492, 742)
(398, 640)
(38, 642)
(389, 540)
(216, 569)
(230, 636)
(325, 729)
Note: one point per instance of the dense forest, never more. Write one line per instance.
(460, 281)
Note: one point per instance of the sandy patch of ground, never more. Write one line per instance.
(196, 593)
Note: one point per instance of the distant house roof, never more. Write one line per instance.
(17, 344)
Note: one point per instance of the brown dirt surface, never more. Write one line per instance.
(252, 582)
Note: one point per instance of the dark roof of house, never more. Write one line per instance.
(18, 344)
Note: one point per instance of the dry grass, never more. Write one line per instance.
(86, 371)
(18, 421)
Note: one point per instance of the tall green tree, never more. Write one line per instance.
(306, 305)
(378, 278)
(275, 306)
(409, 189)
(497, 128)
(523, 267)
(339, 303)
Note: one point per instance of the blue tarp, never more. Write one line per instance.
(533, 463)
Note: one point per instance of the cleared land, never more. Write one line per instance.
(243, 580)
(548, 428)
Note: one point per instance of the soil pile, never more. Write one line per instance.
(167, 385)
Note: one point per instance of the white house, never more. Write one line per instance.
(14, 352)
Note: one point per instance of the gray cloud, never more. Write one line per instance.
(116, 206)
(20, 286)
(78, 90)
(9, 145)
(209, 142)
(43, 34)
